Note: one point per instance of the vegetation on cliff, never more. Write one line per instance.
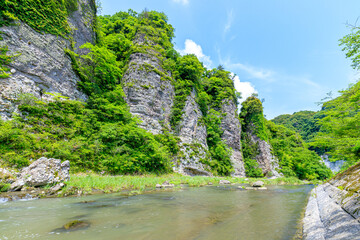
(44, 16)
(340, 127)
(101, 134)
(295, 160)
(334, 130)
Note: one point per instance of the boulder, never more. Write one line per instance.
(165, 184)
(257, 184)
(224, 182)
(256, 188)
(42, 172)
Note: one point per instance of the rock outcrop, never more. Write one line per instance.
(268, 163)
(334, 166)
(42, 65)
(148, 89)
(230, 124)
(333, 210)
(42, 172)
(193, 145)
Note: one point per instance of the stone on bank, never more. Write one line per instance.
(43, 171)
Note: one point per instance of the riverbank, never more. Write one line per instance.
(332, 211)
(108, 184)
(91, 183)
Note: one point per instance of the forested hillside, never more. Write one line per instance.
(302, 122)
(335, 129)
(287, 145)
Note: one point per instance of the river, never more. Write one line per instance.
(213, 212)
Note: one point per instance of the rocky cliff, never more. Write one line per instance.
(256, 136)
(193, 143)
(42, 65)
(230, 124)
(148, 94)
(333, 210)
(268, 163)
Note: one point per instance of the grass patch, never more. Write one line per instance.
(91, 182)
(5, 187)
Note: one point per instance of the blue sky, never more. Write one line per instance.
(286, 51)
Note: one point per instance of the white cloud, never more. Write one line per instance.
(310, 83)
(192, 48)
(245, 88)
(183, 2)
(253, 72)
(230, 19)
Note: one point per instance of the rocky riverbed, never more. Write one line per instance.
(333, 210)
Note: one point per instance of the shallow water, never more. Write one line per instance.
(191, 213)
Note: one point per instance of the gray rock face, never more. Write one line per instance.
(230, 124)
(82, 22)
(193, 143)
(42, 65)
(148, 94)
(334, 166)
(333, 210)
(42, 172)
(267, 162)
(326, 219)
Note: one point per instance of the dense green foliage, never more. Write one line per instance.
(252, 117)
(335, 129)
(339, 134)
(220, 162)
(4, 60)
(253, 123)
(250, 151)
(294, 157)
(188, 73)
(216, 88)
(100, 135)
(49, 16)
(303, 122)
(295, 160)
(351, 44)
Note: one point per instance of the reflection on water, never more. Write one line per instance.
(192, 213)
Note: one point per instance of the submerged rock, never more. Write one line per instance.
(42, 172)
(74, 225)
